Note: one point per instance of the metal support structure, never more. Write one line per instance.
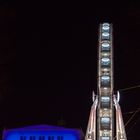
(91, 131)
(120, 129)
(101, 124)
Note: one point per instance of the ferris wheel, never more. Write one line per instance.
(105, 121)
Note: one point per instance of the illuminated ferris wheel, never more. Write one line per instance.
(105, 121)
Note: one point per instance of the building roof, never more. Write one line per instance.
(41, 130)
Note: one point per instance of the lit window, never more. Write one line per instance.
(105, 61)
(41, 137)
(105, 123)
(105, 35)
(105, 99)
(105, 138)
(32, 138)
(105, 27)
(106, 24)
(60, 138)
(51, 138)
(105, 78)
(105, 46)
(23, 138)
(105, 102)
(105, 81)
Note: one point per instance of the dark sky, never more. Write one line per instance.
(48, 61)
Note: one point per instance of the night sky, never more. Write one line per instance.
(48, 62)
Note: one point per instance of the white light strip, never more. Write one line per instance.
(118, 96)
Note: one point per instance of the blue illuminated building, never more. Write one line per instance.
(42, 132)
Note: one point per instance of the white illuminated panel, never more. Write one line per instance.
(105, 46)
(105, 35)
(105, 102)
(105, 61)
(105, 123)
(105, 78)
(105, 120)
(105, 99)
(106, 24)
(105, 81)
(105, 27)
(105, 138)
